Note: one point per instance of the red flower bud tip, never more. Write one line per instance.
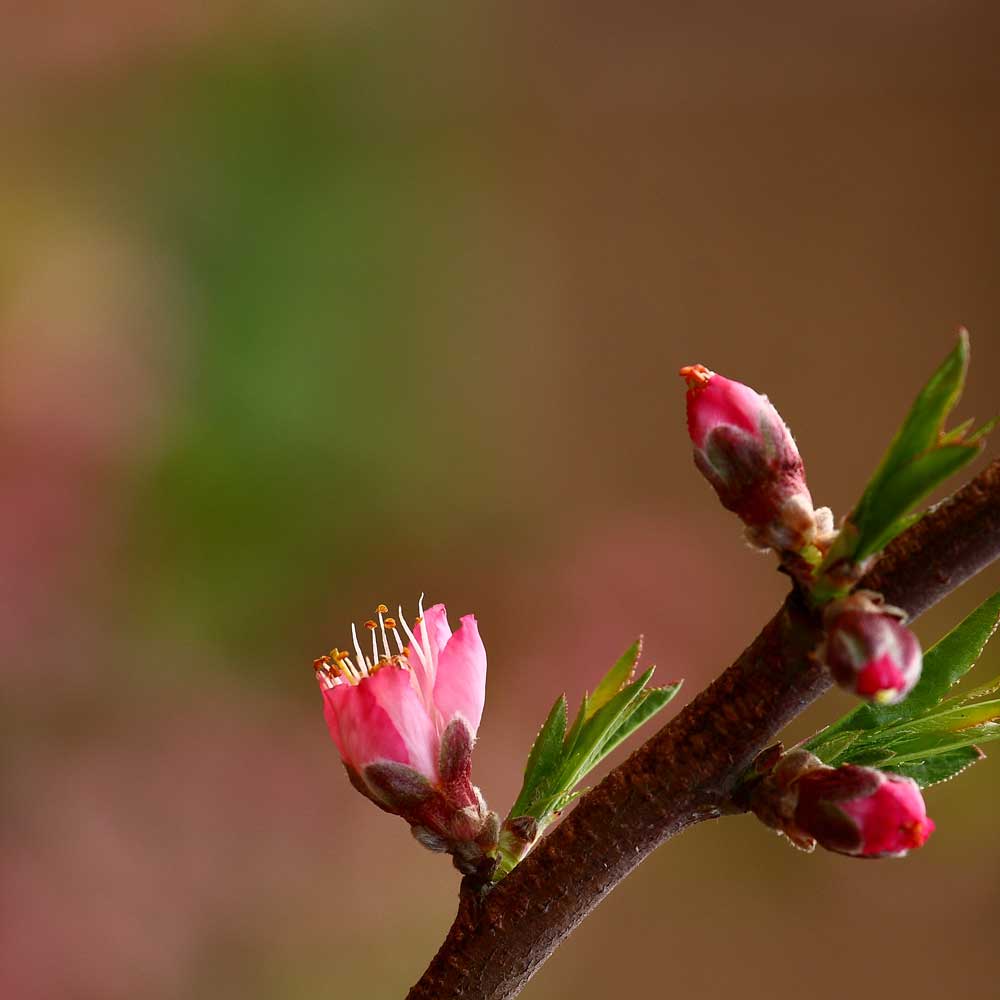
(861, 812)
(745, 450)
(869, 650)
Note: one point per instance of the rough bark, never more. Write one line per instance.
(687, 771)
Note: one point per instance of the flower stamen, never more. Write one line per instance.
(372, 625)
(427, 637)
(390, 624)
(414, 645)
(362, 663)
(696, 376)
(337, 666)
(380, 611)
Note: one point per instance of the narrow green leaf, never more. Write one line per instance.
(922, 455)
(990, 687)
(608, 687)
(548, 808)
(866, 756)
(898, 494)
(545, 757)
(932, 733)
(933, 743)
(615, 679)
(892, 530)
(572, 737)
(933, 770)
(976, 436)
(958, 434)
(953, 720)
(595, 731)
(923, 423)
(647, 705)
(831, 749)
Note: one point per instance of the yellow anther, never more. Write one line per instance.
(381, 609)
(371, 624)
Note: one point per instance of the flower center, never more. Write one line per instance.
(340, 667)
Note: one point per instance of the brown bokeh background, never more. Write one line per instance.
(309, 306)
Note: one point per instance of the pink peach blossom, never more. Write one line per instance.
(405, 719)
(395, 705)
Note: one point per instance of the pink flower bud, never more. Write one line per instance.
(861, 812)
(404, 719)
(745, 450)
(869, 650)
(851, 810)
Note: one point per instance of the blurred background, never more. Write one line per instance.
(306, 306)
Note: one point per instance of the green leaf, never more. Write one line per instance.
(832, 748)
(887, 515)
(944, 664)
(932, 734)
(596, 729)
(873, 756)
(549, 807)
(610, 684)
(615, 679)
(933, 770)
(601, 733)
(559, 760)
(922, 455)
(647, 705)
(923, 423)
(545, 757)
(933, 743)
(950, 659)
(990, 687)
(952, 720)
(976, 436)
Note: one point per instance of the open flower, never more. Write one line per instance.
(405, 719)
(746, 451)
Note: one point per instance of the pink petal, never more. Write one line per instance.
(435, 627)
(894, 820)
(460, 687)
(436, 623)
(397, 694)
(333, 724)
(723, 402)
(361, 728)
(880, 675)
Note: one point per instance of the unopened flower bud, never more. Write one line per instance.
(861, 812)
(745, 450)
(851, 810)
(869, 650)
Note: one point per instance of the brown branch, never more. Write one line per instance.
(688, 770)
